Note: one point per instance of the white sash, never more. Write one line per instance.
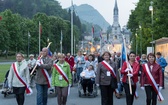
(154, 85)
(59, 69)
(109, 68)
(46, 75)
(28, 89)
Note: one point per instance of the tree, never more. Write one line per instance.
(142, 16)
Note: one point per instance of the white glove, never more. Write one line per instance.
(126, 70)
(38, 62)
(142, 88)
(73, 72)
(97, 85)
(28, 86)
(129, 75)
(74, 66)
(121, 79)
(160, 88)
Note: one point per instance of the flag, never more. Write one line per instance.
(0, 18)
(100, 34)
(49, 53)
(93, 29)
(40, 28)
(123, 54)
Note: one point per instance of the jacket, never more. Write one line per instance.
(162, 62)
(23, 72)
(135, 67)
(39, 78)
(156, 73)
(70, 61)
(102, 78)
(56, 74)
(79, 61)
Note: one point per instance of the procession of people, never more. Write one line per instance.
(107, 71)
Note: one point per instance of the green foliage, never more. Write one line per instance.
(142, 16)
(14, 32)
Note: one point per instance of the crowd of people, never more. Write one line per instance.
(107, 71)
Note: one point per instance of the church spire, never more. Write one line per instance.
(116, 8)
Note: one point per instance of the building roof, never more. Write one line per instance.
(161, 40)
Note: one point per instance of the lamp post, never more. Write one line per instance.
(61, 42)
(151, 9)
(140, 38)
(72, 27)
(28, 43)
(136, 43)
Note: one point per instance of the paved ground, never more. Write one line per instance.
(73, 99)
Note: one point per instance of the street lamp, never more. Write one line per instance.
(151, 9)
(140, 38)
(136, 43)
(72, 42)
(28, 43)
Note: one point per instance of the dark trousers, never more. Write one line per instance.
(42, 94)
(87, 83)
(106, 94)
(19, 92)
(163, 78)
(20, 98)
(129, 97)
(62, 95)
(151, 95)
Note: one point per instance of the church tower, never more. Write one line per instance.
(116, 29)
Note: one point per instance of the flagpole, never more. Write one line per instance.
(100, 46)
(129, 78)
(92, 34)
(28, 43)
(100, 41)
(39, 36)
(61, 42)
(72, 27)
(74, 45)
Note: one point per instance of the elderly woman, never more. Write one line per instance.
(61, 79)
(88, 76)
(151, 79)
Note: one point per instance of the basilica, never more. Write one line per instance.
(117, 34)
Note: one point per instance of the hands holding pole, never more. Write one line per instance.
(38, 61)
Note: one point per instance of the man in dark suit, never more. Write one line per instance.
(98, 58)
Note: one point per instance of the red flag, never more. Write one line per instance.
(40, 28)
(93, 29)
(0, 18)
